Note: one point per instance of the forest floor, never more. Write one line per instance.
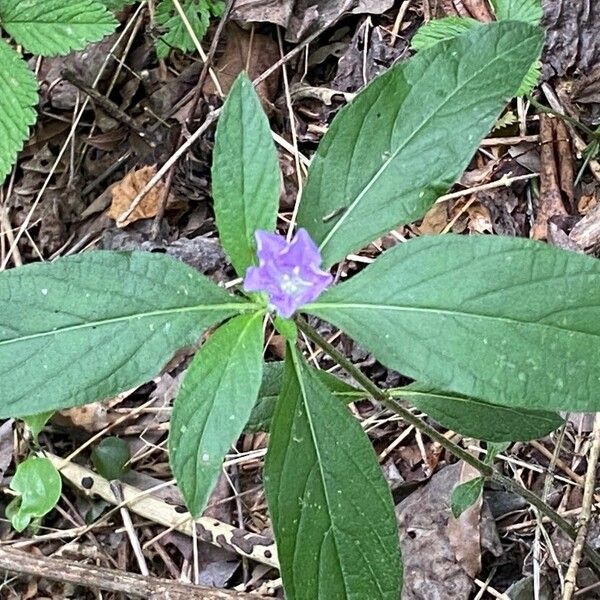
(111, 115)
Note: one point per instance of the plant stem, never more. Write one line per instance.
(574, 122)
(486, 470)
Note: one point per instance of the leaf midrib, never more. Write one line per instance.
(239, 306)
(317, 306)
(309, 418)
(400, 148)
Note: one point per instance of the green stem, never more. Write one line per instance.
(486, 470)
(546, 109)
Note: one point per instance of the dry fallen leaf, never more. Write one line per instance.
(124, 192)
(440, 558)
(250, 52)
(556, 175)
(434, 220)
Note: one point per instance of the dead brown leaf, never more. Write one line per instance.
(586, 233)
(465, 529)
(556, 175)
(303, 17)
(435, 219)
(124, 192)
(440, 559)
(250, 52)
(572, 36)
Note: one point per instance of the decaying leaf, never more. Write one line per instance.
(303, 17)
(245, 51)
(556, 175)
(124, 192)
(572, 36)
(440, 555)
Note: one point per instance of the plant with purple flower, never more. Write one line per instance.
(288, 272)
(492, 330)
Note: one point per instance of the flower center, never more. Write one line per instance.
(292, 284)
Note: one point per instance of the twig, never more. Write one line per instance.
(486, 470)
(504, 181)
(223, 535)
(586, 511)
(117, 490)
(90, 576)
(206, 68)
(109, 107)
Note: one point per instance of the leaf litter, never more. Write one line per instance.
(494, 542)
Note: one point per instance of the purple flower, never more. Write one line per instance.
(289, 272)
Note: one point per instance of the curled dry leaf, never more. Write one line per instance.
(556, 175)
(124, 192)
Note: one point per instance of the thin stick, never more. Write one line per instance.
(586, 511)
(486, 470)
(90, 576)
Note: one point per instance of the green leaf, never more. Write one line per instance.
(479, 419)
(332, 511)
(527, 11)
(39, 485)
(464, 495)
(245, 174)
(198, 13)
(37, 422)
(51, 27)
(511, 321)
(111, 458)
(116, 5)
(438, 30)
(410, 134)
(18, 96)
(90, 326)
(262, 413)
(213, 405)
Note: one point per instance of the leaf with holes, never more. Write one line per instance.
(245, 174)
(51, 27)
(18, 96)
(332, 510)
(409, 135)
(507, 320)
(213, 405)
(90, 326)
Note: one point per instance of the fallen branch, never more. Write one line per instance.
(89, 576)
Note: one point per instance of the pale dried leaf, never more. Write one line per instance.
(124, 193)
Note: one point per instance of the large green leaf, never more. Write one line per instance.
(262, 413)
(528, 11)
(439, 30)
(51, 27)
(410, 134)
(332, 510)
(507, 320)
(245, 174)
(216, 397)
(89, 326)
(479, 419)
(18, 96)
